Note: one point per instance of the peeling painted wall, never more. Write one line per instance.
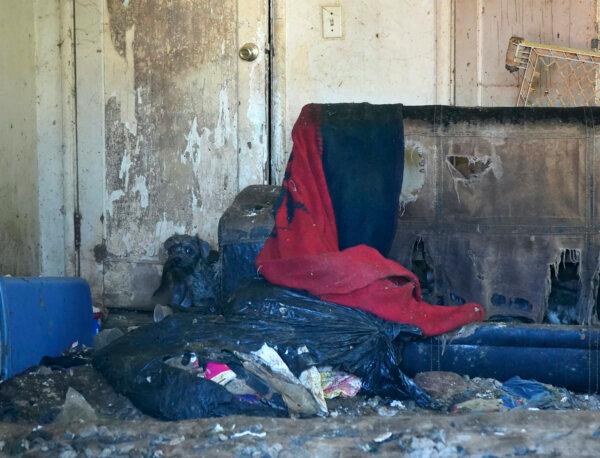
(171, 164)
(498, 197)
(184, 127)
(484, 27)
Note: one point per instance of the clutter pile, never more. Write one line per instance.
(333, 320)
(71, 395)
(274, 352)
(278, 350)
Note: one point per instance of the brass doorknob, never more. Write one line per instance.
(249, 52)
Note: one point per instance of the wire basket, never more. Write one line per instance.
(554, 76)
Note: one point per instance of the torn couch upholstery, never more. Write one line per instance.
(510, 195)
(336, 218)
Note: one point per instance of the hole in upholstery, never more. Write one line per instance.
(469, 166)
(565, 289)
(423, 270)
(596, 286)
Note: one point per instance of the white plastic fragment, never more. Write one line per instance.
(383, 437)
(75, 409)
(248, 433)
(274, 361)
(303, 349)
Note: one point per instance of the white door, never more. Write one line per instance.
(171, 124)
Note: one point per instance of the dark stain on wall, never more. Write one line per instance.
(184, 61)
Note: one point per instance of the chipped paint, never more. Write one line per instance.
(141, 188)
(124, 171)
(112, 198)
(223, 130)
(173, 95)
(127, 242)
(197, 144)
(165, 229)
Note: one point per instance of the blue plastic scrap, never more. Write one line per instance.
(521, 393)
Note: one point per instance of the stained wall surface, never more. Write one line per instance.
(34, 207)
(160, 110)
(18, 147)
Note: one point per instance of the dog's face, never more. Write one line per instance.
(184, 252)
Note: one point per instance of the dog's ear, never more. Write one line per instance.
(171, 241)
(204, 248)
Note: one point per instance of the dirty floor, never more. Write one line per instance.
(30, 425)
(516, 433)
(33, 423)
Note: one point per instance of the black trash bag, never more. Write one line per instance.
(173, 394)
(304, 330)
(77, 355)
(348, 339)
(136, 366)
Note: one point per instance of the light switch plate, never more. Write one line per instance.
(332, 21)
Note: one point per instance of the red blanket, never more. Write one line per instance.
(303, 251)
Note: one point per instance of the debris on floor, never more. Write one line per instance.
(354, 426)
(337, 383)
(76, 409)
(106, 336)
(443, 386)
(72, 411)
(161, 312)
(254, 359)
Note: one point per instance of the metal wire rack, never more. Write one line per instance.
(554, 76)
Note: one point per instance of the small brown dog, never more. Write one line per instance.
(190, 274)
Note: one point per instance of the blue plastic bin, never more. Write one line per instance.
(41, 317)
